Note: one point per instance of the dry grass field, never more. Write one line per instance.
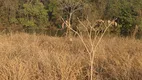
(40, 57)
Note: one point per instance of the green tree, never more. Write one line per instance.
(8, 9)
(128, 17)
(127, 13)
(34, 15)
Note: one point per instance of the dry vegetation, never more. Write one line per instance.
(40, 57)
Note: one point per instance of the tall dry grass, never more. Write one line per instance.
(40, 57)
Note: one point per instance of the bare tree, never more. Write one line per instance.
(92, 43)
(68, 8)
(135, 31)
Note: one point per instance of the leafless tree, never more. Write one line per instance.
(135, 31)
(69, 7)
(92, 43)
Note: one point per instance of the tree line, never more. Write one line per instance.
(48, 15)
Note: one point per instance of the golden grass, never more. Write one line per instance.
(40, 57)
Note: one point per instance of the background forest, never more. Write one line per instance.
(46, 15)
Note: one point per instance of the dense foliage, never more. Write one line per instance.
(47, 14)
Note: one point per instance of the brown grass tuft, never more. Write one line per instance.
(40, 57)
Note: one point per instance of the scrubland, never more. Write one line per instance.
(40, 57)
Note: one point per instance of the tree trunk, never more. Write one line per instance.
(135, 31)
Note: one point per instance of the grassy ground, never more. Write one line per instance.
(39, 57)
